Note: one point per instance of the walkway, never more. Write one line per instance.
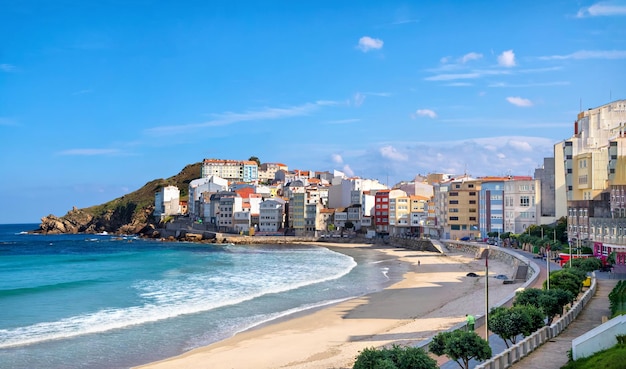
(554, 353)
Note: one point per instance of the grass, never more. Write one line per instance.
(613, 358)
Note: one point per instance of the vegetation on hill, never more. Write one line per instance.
(143, 198)
(126, 214)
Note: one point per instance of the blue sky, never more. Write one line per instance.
(99, 97)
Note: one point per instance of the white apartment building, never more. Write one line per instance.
(347, 191)
(521, 204)
(231, 170)
(198, 186)
(228, 206)
(166, 202)
(271, 215)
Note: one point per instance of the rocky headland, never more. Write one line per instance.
(128, 214)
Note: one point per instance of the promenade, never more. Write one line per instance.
(554, 353)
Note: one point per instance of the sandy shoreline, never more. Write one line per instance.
(432, 296)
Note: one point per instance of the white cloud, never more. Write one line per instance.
(358, 99)
(230, 117)
(507, 59)
(348, 171)
(343, 121)
(521, 145)
(7, 67)
(602, 9)
(470, 56)
(337, 158)
(452, 76)
(519, 101)
(367, 43)
(426, 113)
(392, 153)
(589, 54)
(89, 152)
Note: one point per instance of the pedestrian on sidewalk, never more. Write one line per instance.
(471, 321)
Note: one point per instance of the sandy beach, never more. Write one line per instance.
(434, 295)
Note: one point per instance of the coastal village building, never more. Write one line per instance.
(399, 215)
(381, 211)
(229, 204)
(271, 215)
(521, 201)
(546, 177)
(491, 205)
(197, 187)
(419, 214)
(267, 171)
(231, 170)
(595, 178)
(166, 202)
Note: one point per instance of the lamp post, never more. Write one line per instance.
(548, 265)
(487, 294)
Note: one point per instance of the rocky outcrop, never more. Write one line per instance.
(75, 221)
(117, 221)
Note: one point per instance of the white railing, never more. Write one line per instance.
(516, 352)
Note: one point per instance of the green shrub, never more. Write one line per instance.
(396, 357)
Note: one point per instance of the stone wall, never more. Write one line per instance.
(495, 253)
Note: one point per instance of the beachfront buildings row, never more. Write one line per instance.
(314, 203)
(591, 183)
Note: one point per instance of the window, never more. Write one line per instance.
(472, 219)
(472, 202)
(454, 218)
(524, 201)
(454, 210)
(454, 194)
(454, 202)
(470, 185)
(455, 227)
(472, 193)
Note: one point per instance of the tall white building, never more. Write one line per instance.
(521, 204)
(271, 215)
(166, 202)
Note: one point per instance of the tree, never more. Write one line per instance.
(510, 322)
(568, 279)
(349, 224)
(460, 346)
(254, 158)
(529, 296)
(552, 302)
(394, 358)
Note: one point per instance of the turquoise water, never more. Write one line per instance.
(100, 301)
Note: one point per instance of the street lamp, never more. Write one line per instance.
(548, 265)
(487, 294)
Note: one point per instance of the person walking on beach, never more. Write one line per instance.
(470, 322)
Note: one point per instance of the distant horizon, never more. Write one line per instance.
(98, 98)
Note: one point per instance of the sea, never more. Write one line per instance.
(108, 301)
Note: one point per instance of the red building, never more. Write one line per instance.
(381, 211)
